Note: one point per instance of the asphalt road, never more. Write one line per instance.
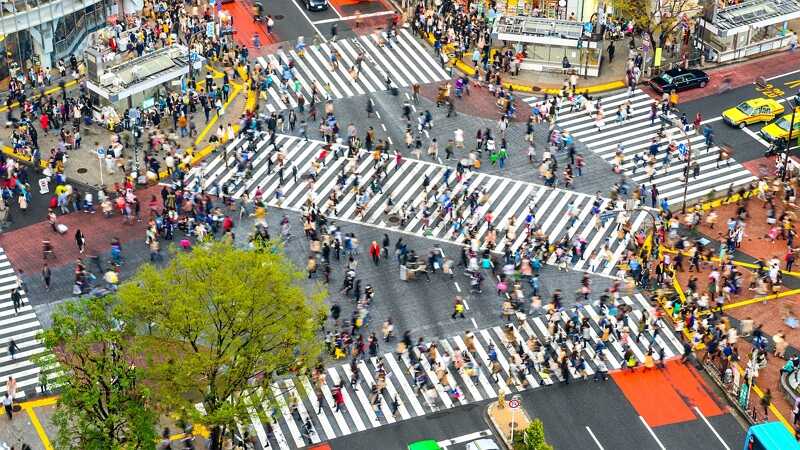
(745, 142)
(583, 415)
(443, 426)
(293, 19)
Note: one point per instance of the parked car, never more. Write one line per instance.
(483, 444)
(679, 80)
(752, 111)
(316, 5)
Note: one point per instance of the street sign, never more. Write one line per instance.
(513, 403)
(101, 152)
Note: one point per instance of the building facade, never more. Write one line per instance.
(40, 32)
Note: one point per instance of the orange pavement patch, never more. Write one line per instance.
(666, 396)
(691, 386)
(244, 25)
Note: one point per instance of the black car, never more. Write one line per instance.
(316, 5)
(679, 80)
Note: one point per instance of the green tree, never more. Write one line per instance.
(532, 438)
(221, 322)
(659, 18)
(103, 405)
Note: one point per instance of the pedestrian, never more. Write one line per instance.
(375, 252)
(80, 240)
(46, 274)
(16, 299)
(458, 308)
(11, 387)
(766, 402)
(8, 402)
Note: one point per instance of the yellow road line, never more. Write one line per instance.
(38, 427)
(47, 92)
(760, 299)
(735, 263)
(39, 402)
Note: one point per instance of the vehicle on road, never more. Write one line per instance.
(316, 5)
(482, 444)
(752, 111)
(780, 128)
(428, 444)
(770, 436)
(679, 80)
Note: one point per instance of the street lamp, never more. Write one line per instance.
(762, 84)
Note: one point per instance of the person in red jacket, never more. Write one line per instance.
(375, 252)
(44, 121)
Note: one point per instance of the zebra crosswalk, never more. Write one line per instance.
(635, 135)
(464, 369)
(559, 213)
(405, 62)
(21, 326)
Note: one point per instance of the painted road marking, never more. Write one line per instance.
(700, 413)
(652, 433)
(475, 324)
(753, 135)
(465, 438)
(324, 39)
(458, 288)
(345, 18)
(782, 75)
(594, 438)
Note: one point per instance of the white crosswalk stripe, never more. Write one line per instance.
(498, 344)
(635, 135)
(23, 327)
(405, 63)
(506, 198)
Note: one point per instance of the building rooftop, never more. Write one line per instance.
(152, 64)
(755, 13)
(539, 26)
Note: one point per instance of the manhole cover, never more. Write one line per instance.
(536, 88)
(394, 219)
(278, 17)
(82, 170)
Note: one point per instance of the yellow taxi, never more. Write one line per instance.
(752, 111)
(780, 128)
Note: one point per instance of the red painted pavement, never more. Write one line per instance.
(667, 396)
(245, 27)
(24, 246)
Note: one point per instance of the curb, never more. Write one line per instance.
(468, 70)
(496, 428)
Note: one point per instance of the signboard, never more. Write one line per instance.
(744, 394)
(44, 185)
(657, 58)
(513, 403)
(101, 152)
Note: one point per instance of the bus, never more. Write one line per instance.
(770, 436)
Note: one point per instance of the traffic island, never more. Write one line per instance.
(517, 431)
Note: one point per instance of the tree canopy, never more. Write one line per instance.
(217, 324)
(103, 405)
(658, 17)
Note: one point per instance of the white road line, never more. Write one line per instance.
(383, 126)
(345, 18)
(783, 75)
(594, 438)
(652, 433)
(711, 120)
(466, 305)
(464, 438)
(475, 324)
(458, 288)
(755, 136)
(699, 413)
(324, 39)
(378, 115)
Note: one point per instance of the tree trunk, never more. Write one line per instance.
(215, 438)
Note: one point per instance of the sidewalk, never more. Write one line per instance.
(83, 164)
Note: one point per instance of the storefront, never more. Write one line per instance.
(746, 29)
(550, 45)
